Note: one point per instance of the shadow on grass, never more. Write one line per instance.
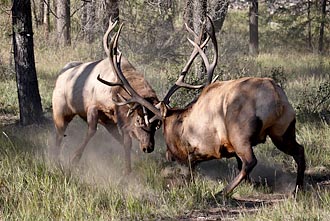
(274, 178)
(318, 178)
(232, 208)
(272, 184)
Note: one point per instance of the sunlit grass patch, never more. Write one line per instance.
(298, 65)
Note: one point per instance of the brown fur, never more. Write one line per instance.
(229, 118)
(78, 92)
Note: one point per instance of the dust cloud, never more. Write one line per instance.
(103, 161)
(263, 174)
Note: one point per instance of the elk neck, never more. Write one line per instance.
(173, 131)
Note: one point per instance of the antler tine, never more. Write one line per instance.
(112, 25)
(199, 38)
(115, 59)
(194, 33)
(210, 70)
(180, 82)
(106, 35)
(209, 67)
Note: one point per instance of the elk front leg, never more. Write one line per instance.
(239, 167)
(114, 131)
(92, 118)
(248, 161)
(61, 123)
(127, 152)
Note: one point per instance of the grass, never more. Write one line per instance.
(31, 188)
(310, 206)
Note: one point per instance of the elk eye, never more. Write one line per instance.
(139, 121)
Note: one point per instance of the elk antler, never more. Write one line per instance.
(115, 59)
(112, 25)
(198, 49)
(209, 67)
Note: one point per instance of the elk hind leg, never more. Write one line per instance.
(92, 120)
(287, 143)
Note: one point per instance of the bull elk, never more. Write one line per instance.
(226, 120)
(78, 92)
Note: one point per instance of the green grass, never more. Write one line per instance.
(310, 206)
(33, 189)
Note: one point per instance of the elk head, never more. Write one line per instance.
(140, 121)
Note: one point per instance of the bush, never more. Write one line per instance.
(315, 100)
(278, 75)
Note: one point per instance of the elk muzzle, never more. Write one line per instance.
(147, 147)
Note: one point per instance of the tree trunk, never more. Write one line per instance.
(41, 11)
(26, 77)
(111, 10)
(83, 20)
(253, 26)
(63, 22)
(47, 17)
(89, 21)
(220, 11)
(199, 15)
(200, 8)
(189, 12)
(322, 24)
(167, 11)
(309, 28)
(54, 2)
(35, 14)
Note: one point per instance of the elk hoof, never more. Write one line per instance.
(223, 194)
(298, 189)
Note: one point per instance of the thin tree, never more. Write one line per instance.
(189, 12)
(196, 11)
(111, 9)
(88, 21)
(27, 83)
(309, 25)
(63, 23)
(41, 6)
(200, 9)
(253, 28)
(322, 24)
(46, 19)
(220, 8)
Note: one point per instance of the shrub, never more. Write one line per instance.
(315, 100)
